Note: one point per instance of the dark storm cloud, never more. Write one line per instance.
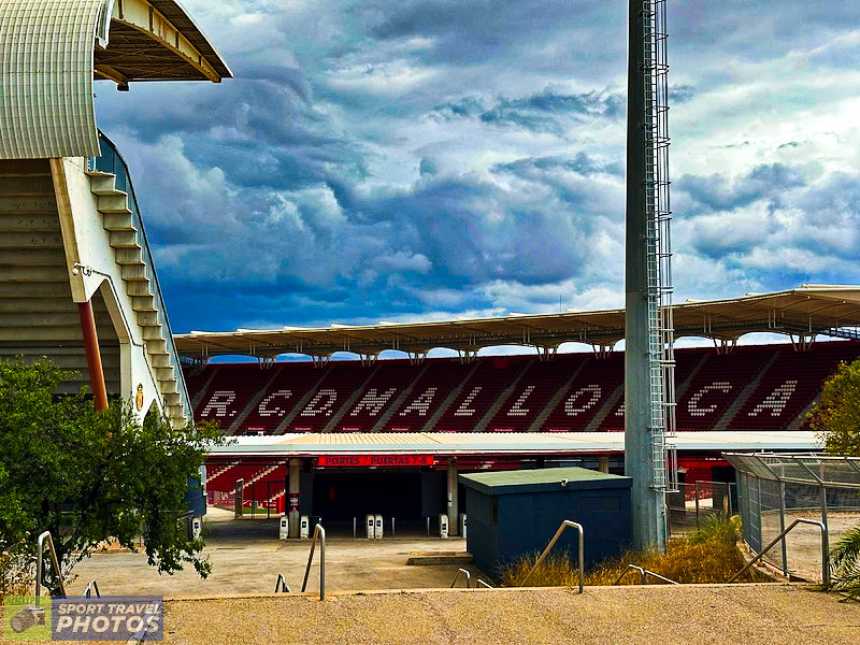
(548, 111)
(430, 157)
(718, 192)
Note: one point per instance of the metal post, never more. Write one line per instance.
(94, 357)
(697, 504)
(293, 484)
(354, 526)
(648, 501)
(453, 510)
(392, 526)
(782, 528)
(428, 526)
(825, 539)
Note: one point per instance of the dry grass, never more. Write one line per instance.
(710, 555)
(555, 571)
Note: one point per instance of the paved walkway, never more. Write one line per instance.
(246, 558)
(748, 615)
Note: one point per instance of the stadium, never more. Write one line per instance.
(358, 429)
(607, 421)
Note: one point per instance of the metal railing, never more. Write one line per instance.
(319, 534)
(825, 550)
(464, 574)
(91, 589)
(482, 583)
(44, 538)
(281, 585)
(566, 524)
(643, 575)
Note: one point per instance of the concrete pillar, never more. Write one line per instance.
(453, 506)
(647, 504)
(294, 477)
(603, 464)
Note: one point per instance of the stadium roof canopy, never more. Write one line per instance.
(314, 444)
(805, 311)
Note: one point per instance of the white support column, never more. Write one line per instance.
(295, 471)
(453, 506)
(603, 464)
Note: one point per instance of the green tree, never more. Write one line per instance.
(88, 476)
(837, 412)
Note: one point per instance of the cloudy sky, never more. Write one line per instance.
(422, 159)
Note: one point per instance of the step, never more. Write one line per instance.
(152, 332)
(124, 239)
(160, 360)
(118, 222)
(116, 202)
(139, 288)
(143, 303)
(129, 256)
(169, 386)
(30, 223)
(102, 183)
(157, 347)
(32, 239)
(131, 272)
(165, 374)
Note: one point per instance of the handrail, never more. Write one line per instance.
(40, 546)
(465, 573)
(319, 533)
(643, 575)
(281, 585)
(483, 584)
(825, 554)
(566, 524)
(91, 588)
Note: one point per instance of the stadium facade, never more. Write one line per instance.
(337, 439)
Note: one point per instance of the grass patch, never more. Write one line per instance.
(710, 555)
(555, 571)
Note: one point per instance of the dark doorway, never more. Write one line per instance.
(340, 496)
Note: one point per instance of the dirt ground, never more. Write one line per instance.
(804, 542)
(246, 558)
(750, 614)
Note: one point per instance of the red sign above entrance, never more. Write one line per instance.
(381, 461)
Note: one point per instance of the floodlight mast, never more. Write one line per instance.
(649, 390)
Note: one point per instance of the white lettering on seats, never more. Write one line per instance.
(422, 404)
(265, 411)
(464, 410)
(693, 404)
(572, 410)
(620, 411)
(516, 409)
(776, 400)
(373, 401)
(314, 408)
(218, 402)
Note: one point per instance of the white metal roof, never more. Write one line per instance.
(495, 443)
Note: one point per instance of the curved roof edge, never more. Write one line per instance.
(808, 309)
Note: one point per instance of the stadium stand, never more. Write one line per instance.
(389, 380)
(474, 401)
(438, 381)
(790, 386)
(284, 394)
(229, 391)
(587, 394)
(763, 387)
(339, 385)
(537, 386)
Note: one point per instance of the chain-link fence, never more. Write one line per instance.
(775, 490)
(693, 503)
